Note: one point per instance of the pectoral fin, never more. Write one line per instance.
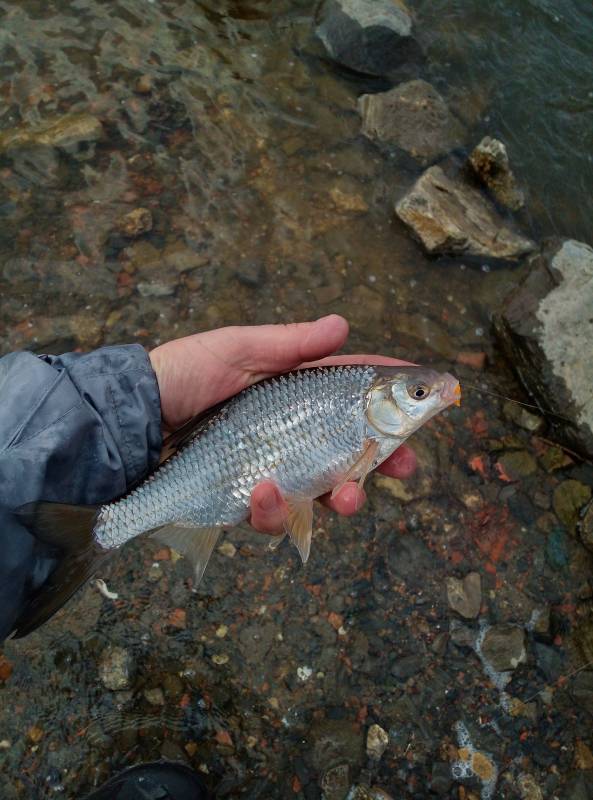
(196, 544)
(299, 524)
(361, 468)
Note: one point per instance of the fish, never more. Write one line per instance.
(310, 431)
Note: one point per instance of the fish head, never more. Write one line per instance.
(402, 399)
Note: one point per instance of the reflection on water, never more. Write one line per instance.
(225, 122)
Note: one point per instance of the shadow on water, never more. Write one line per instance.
(225, 122)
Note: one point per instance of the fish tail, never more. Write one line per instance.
(69, 532)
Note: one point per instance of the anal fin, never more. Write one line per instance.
(361, 468)
(299, 524)
(195, 543)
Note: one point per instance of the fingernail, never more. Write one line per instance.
(270, 502)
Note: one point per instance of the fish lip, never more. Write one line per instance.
(451, 391)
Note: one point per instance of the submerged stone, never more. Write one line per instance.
(490, 162)
(63, 132)
(116, 668)
(504, 647)
(450, 217)
(414, 117)
(373, 37)
(570, 497)
(377, 741)
(546, 329)
(465, 595)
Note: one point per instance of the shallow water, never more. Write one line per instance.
(226, 121)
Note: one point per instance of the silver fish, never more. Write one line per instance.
(309, 431)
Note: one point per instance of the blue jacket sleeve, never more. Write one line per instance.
(77, 428)
(73, 429)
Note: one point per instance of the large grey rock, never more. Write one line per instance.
(452, 218)
(370, 36)
(414, 117)
(490, 163)
(546, 329)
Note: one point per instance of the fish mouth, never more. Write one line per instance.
(451, 391)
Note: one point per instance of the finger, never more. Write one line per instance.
(347, 501)
(401, 464)
(275, 348)
(268, 509)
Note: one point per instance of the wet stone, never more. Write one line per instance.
(583, 637)
(570, 497)
(586, 528)
(450, 217)
(522, 417)
(377, 741)
(549, 660)
(441, 780)
(369, 36)
(116, 668)
(545, 327)
(406, 667)
(557, 549)
(414, 117)
(490, 163)
(63, 132)
(504, 647)
(336, 742)
(336, 782)
(155, 696)
(518, 464)
(465, 595)
(136, 222)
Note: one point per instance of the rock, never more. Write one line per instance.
(586, 528)
(529, 788)
(336, 741)
(369, 36)
(414, 117)
(155, 289)
(406, 667)
(516, 464)
(546, 329)
(581, 688)
(377, 741)
(336, 782)
(116, 668)
(490, 162)
(136, 223)
(583, 637)
(522, 417)
(155, 696)
(583, 757)
(441, 780)
(452, 218)
(348, 203)
(557, 549)
(504, 647)
(569, 498)
(465, 596)
(63, 132)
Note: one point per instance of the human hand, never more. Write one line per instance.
(196, 372)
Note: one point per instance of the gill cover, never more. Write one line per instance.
(402, 399)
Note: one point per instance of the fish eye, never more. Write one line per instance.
(418, 391)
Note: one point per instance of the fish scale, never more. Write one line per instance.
(303, 431)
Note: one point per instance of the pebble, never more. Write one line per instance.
(504, 647)
(222, 631)
(335, 782)
(116, 668)
(441, 780)
(517, 464)
(522, 417)
(220, 659)
(583, 757)
(529, 788)
(377, 741)
(227, 549)
(586, 528)
(569, 498)
(465, 595)
(155, 696)
(136, 222)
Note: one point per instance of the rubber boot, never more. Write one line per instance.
(161, 780)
